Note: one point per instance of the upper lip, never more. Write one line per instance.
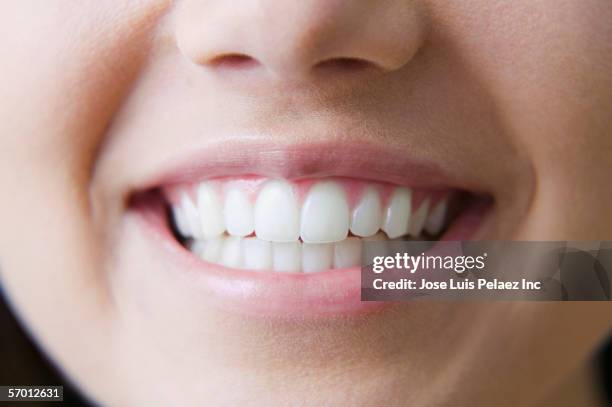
(294, 161)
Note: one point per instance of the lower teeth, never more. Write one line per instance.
(251, 253)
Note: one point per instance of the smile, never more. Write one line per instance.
(285, 236)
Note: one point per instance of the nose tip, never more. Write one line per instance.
(296, 39)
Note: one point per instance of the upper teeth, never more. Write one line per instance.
(366, 217)
(277, 217)
(397, 214)
(324, 215)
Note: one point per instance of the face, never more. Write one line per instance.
(179, 180)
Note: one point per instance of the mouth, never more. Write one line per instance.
(289, 242)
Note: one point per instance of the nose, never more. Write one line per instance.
(294, 39)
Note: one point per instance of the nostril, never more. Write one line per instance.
(235, 61)
(344, 64)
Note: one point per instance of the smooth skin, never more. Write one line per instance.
(512, 98)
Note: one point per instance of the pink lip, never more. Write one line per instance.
(275, 294)
(305, 160)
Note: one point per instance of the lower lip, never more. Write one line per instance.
(275, 294)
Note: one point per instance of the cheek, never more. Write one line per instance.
(547, 66)
(64, 80)
(60, 82)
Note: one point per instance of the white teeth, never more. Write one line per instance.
(192, 217)
(231, 254)
(210, 250)
(252, 253)
(290, 238)
(397, 213)
(277, 217)
(180, 220)
(317, 257)
(287, 256)
(238, 212)
(210, 210)
(417, 221)
(367, 214)
(257, 254)
(347, 253)
(435, 220)
(325, 214)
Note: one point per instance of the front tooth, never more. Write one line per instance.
(317, 257)
(257, 254)
(397, 213)
(367, 214)
(325, 214)
(417, 221)
(210, 209)
(435, 220)
(209, 250)
(192, 216)
(231, 254)
(276, 213)
(347, 253)
(238, 212)
(287, 256)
